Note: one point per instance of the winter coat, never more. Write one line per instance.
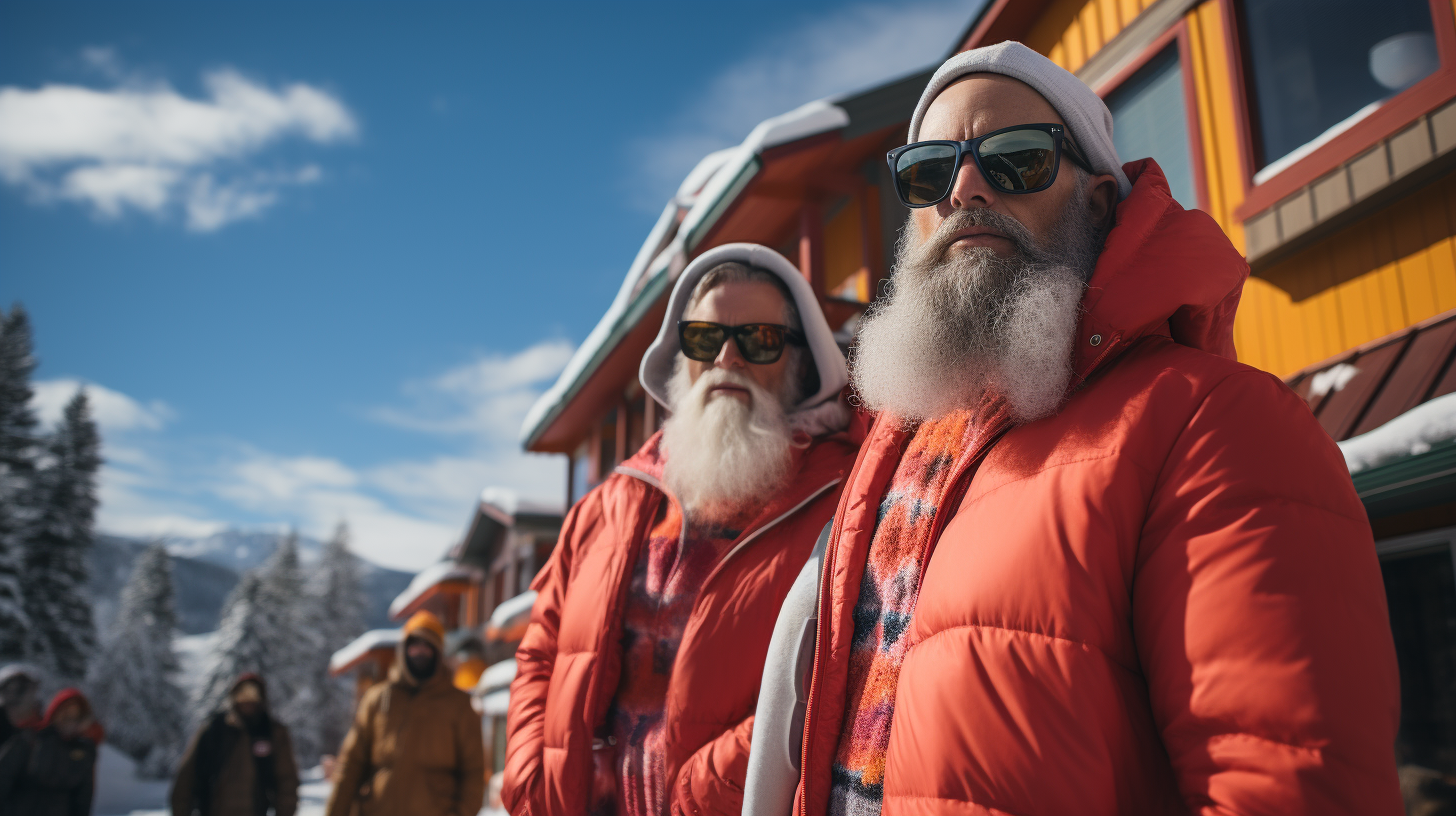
(415, 748)
(1164, 599)
(569, 662)
(45, 774)
(42, 774)
(233, 778)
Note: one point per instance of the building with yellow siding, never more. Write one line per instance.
(1318, 133)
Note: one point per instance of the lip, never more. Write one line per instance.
(731, 389)
(979, 236)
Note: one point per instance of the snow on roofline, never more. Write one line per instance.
(1410, 434)
(511, 608)
(345, 658)
(721, 175)
(510, 502)
(498, 676)
(426, 579)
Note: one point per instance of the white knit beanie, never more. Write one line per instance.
(1083, 111)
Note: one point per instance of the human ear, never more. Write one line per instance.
(1102, 199)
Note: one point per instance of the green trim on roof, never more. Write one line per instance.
(1411, 483)
(651, 290)
(730, 194)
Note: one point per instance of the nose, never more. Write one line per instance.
(728, 356)
(971, 190)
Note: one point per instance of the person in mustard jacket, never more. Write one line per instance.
(415, 748)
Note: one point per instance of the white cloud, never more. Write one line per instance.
(112, 410)
(487, 397)
(849, 49)
(148, 147)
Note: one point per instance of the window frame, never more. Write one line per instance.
(1176, 36)
(1401, 110)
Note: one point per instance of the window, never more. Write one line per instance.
(1149, 118)
(1318, 66)
(1421, 591)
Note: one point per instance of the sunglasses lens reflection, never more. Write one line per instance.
(1019, 161)
(760, 343)
(925, 173)
(701, 341)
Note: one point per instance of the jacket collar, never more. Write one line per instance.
(1163, 270)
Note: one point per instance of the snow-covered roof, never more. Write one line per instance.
(1412, 433)
(701, 199)
(345, 658)
(510, 502)
(498, 676)
(507, 611)
(427, 579)
(496, 703)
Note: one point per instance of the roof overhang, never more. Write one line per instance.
(769, 168)
(367, 645)
(444, 577)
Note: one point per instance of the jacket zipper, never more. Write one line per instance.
(737, 548)
(957, 493)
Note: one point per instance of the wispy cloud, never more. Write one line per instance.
(404, 513)
(852, 48)
(144, 147)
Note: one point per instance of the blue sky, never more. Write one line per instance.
(314, 261)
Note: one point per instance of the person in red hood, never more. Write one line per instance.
(51, 771)
(639, 672)
(1086, 562)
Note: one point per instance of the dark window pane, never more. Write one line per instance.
(1149, 119)
(1317, 63)
(1421, 592)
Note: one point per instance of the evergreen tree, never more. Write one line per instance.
(337, 604)
(241, 644)
(294, 644)
(63, 635)
(18, 451)
(132, 683)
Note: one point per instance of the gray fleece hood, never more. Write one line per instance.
(815, 414)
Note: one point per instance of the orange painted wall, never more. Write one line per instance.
(1391, 270)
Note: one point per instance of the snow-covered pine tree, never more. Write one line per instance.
(241, 645)
(338, 604)
(63, 634)
(293, 644)
(133, 680)
(18, 451)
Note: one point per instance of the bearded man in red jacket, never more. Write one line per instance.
(1086, 562)
(638, 675)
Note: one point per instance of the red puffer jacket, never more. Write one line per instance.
(569, 662)
(1164, 599)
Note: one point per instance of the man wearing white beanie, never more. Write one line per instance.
(1086, 563)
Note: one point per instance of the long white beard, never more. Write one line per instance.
(956, 328)
(723, 454)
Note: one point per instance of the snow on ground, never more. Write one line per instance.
(119, 792)
(1410, 434)
(194, 655)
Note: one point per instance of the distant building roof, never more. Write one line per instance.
(351, 655)
(508, 620)
(427, 582)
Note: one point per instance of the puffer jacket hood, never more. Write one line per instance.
(657, 363)
(62, 697)
(1143, 283)
(424, 626)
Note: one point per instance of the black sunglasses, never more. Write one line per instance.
(759, 343)
(1017, 160)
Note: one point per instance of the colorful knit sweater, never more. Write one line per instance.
(886, 603)
(671, 568)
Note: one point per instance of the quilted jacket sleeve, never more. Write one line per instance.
(521, 782)
(711, 781)
(1260, 616)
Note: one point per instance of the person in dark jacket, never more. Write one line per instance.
(19, 708)
(240, 763)
(51, 771)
